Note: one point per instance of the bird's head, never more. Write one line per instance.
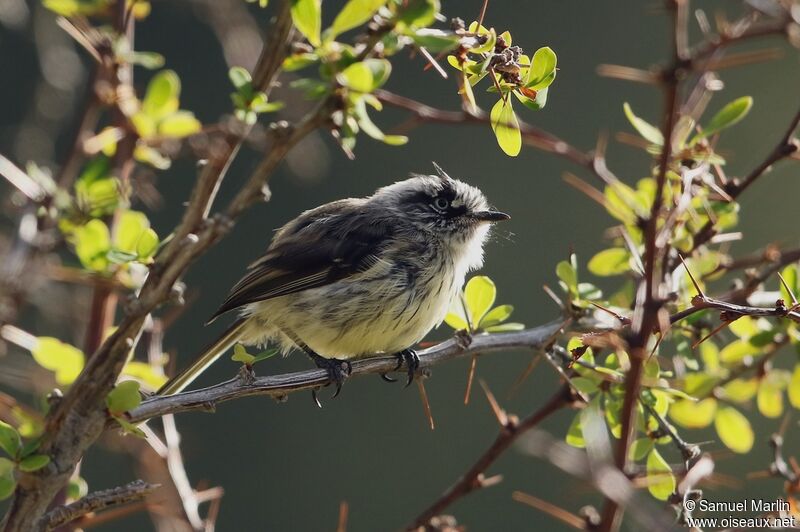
(438, 204)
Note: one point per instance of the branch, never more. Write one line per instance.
(281, 385)
(649, 301)
(98, 500)
(531, 135)
(785, 148)
(473, 479)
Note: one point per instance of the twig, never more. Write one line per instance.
(280, 385)
(98, 500)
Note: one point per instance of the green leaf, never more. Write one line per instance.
(10, 441)
(161, 97)
(505, 327)
(77, 488)
(789, 275)
(566, 272)
(693, 414)
(794, 387)
(179, 125)
(92, 242)
(737, 351)
(147, 245)
(241, 79)
(268, 353)
(240, 354)
(479, 296)
(660, 480)
(145, 373)
(650, 133)
(506, 127)
(7, 481)
(770, 395)
(728, 115)
(613, 261)
(63, 359)
(129, 428)
(496, 315)
(585, 385)
(418, 13)
(542, 71)
(575, 432)
(353, 14)
(33, 462)
(124, 397)
(307, 18)
(436, 41)
(640, 448)
(734, 430)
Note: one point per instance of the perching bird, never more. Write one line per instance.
(359, 276)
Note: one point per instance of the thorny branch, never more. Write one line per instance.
(279, 386)
(133, 491)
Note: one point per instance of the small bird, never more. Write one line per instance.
(359, 276)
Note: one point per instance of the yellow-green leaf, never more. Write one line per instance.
(542, 71)
(63, 359)
(33, 462)
(650, 132)
(794, 387)
(147, 245)
(741, 390)
(161, 97)
(240, 354)
(660, 480)
(770, 396)
(92, 242)
(729, 115)
(737, 350)
(10, 441)
(144, 373)
(575, 432)
(7, 481)
(734, 430)
(693, 414)
(497, 315)
(128, 230)
(479, 296)
(506, 127)
(354, 13)
(612, 261)
(179, 124)
(307, 18)
(124, 397)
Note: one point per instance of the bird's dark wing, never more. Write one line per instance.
(320, 247)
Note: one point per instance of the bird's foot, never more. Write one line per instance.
(338, 370)
(411, 360)
(463, 339)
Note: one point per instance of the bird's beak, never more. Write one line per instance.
(491, 216)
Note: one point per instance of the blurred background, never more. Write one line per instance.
(288, 466)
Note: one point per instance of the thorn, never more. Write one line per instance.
(344, 510)
(483, 12)
(624, 320)
(788, 290)
(470, 378)
(433, 62)
(499, 413)
(694, 281)
(550, 509)
(524, 375)
(553, 296)
(712, 333)
(426, 406)
(490, 481)
(315, 398)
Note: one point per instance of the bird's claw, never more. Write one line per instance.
(338, 370)
(411, 360)
(463, 339)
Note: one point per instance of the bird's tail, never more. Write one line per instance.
(183, 379)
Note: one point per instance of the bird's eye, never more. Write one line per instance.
(441, 204)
